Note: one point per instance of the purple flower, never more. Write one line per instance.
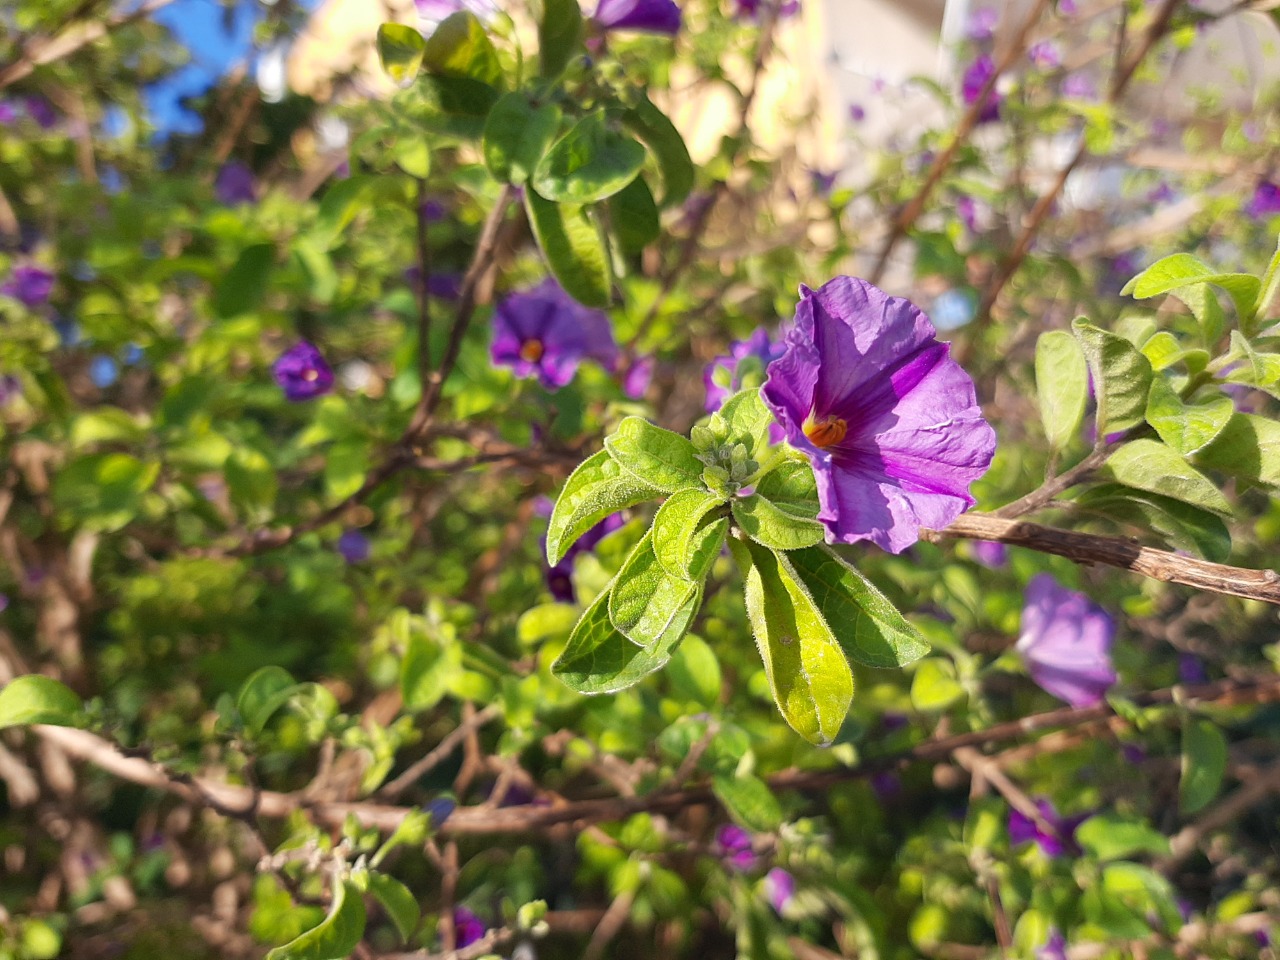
(432, 210)
(560, 577)
(885, 785)
(1265, 201)
(10, 388)
(743, 367)
(982, 24)
(235, 184)
(649, 16)
(991, 554)
(1161, 193)
(967, 208)
(637, 377)
(1191, 669)
(303, 373)
(751, 9)
(857, 113)
(8, 113)
(1045, 55)
(1066, 643)
(779, 887)
(440, 809)
(436, 10)
(1054, 835)
(29, 284)
(823, 182)
(353, 546)
(468, 928)
(1067, 8)
(4, 602)
(974, 81)
(1078, 86)
(888, 420)
(734, 846)
(545, 333)
(1055, 948)
(41, 111)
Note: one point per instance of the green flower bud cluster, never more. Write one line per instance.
(728, 464)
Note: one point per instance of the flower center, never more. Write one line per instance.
(826, 432)
(310, 374)
(531, 351)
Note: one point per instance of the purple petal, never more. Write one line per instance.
(468, 928)
(545, 333)
(779, 887)
(235, 184)
(303, 373)
(1066, 643)
(651, 16)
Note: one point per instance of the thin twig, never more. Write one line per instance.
(1089, 548)
(421, 768)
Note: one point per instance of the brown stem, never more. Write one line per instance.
(445, 747)
(1088, 548)
(1054, 486)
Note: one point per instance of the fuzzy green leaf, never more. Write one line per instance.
(1181, 525)
(769, 524)
(792, 488)
(1150, 465)
(516, 135)
(645, 599)
(337, 935)
(749, 801)
(634, 216)
(574, 247)
(32, 698)
(1062, 383)
(1204, 762)
(262, 694)
(676, 540)
(590, 162)
(749, 421)
(655, 456)
(662, 138)
(459, 48)
(1248, 448)
(1121, 377)
(560, 35)
(1186, 427)
(597, 488)
(398, 901)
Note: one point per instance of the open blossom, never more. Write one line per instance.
(734, 846)
(1054, 834)
(647, 16)
(1066, 642)
(982, 24)
(779, 887)
(353, 546)
(29, 284)
(1265, 201)
(303, 373)
(545, 333)
(972, 83)
(235, 184)
(889, 422)
(1045, 55)
(743, 367)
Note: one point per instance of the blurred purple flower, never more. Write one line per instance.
(545, 333)
(1191, 669)
(29, 284)
(734, 847)
(991, 554)
(303, 373)
(353, 546)
(1055, 837)
(1055, 948)
(975, 78)
(857, 113)
(4, 602)
(432, 210)
(235, 184)
(446, 285)
(779, 887)
(436, 10)
(1133, 753)
(967, 209)
(823, 182)
(1066, 642)
(103, 371)
(41, 111)
(637, 377)
(1252, 130)
(10, 388)
(1078, 86)
(647, 16)
(1045, 55)
(1067, 8)
(1163, 192)
(440, 809)
(747, 359)
(889, 422)
(8, 113)
(1265, 201)
(468, 928)
(886, 785)
(751, 8)
(983, 23)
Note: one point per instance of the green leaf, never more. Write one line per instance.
(868, 627)
(1267, 290)
(251, 478)
(1248, 448)
(245, 284)
(1150, 465)
(560, 35)
(398, 901)
(1181, 269)
(400, 49)
(597, 488)
(336, 936)
(679, 548)
(694, 672)
(660, 135)
(645, 599)
(1141, 892)
(792, 488)
(1181, 525)
(262, 694)
(574, 247)
(32, 698)
(1203, 303)
(749, 801)
(768, 524)
(103, 491)
(1163, 350)
(654, 456)
(1260, 370)
(1121, 377)
(338, 207)
(1062, 383)
(599, 659)
(460, 48)
(934, 686)
(1110, 836)
(1204, 762)
(516, 135)
(1186, 427)
(430, 665)
(808, 675)
(748, 420)
(412, 154)
(590, 162)
(634, 216)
